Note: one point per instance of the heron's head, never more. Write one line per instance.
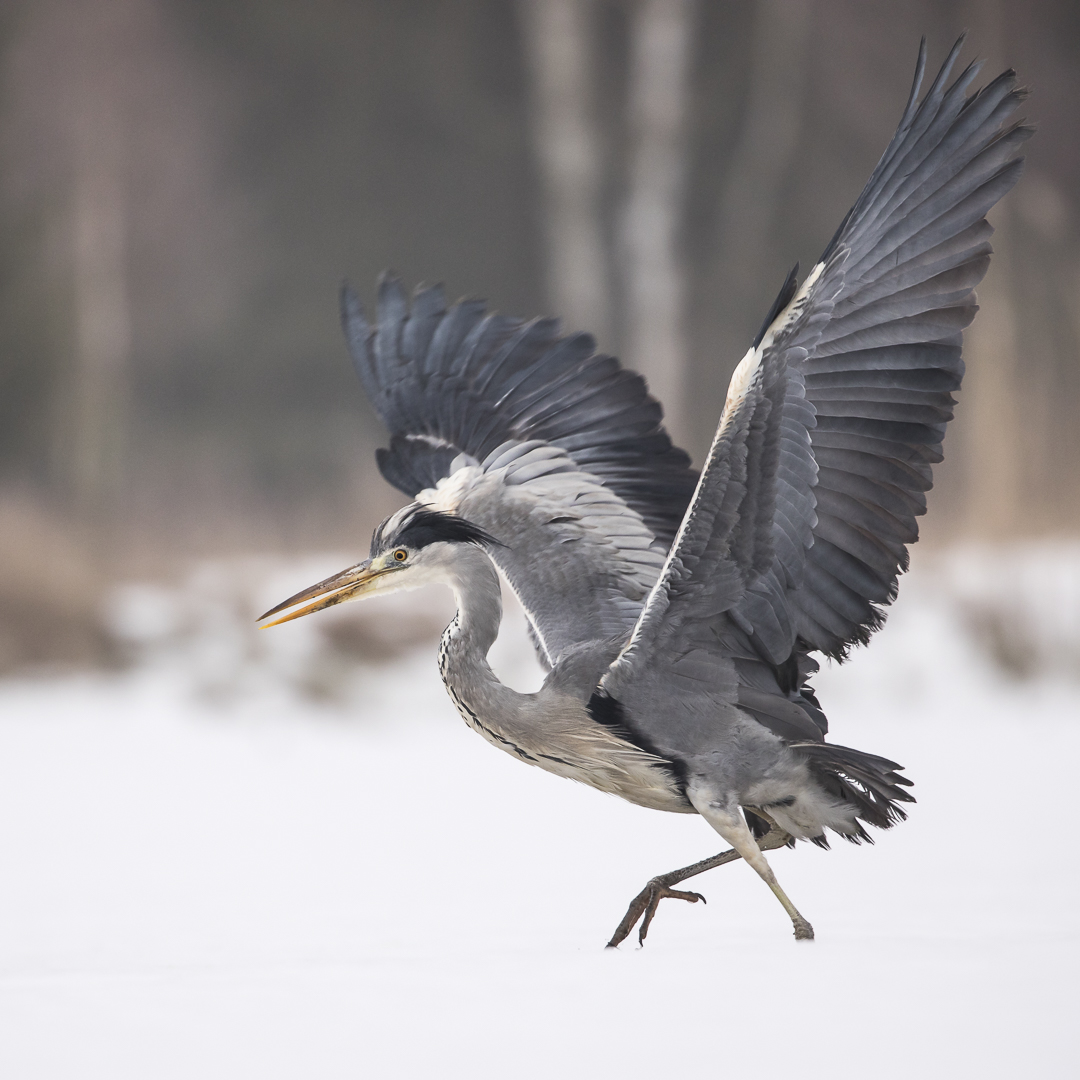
(413, 547)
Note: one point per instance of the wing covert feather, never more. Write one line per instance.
(544, 443)
(459, 378)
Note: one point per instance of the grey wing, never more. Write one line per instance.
(683, 666)
(801, 521)
(880, 376)
(551, 447)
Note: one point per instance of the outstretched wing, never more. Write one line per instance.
(801, 521)
(542, 441)
(880, 376)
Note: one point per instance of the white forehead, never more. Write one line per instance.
(392, 525)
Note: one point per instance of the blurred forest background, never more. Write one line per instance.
(185, 183)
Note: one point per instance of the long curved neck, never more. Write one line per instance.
(487, 705)
(478, 594)
(551, 728)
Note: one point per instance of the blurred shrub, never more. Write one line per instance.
(51, 593)
(1020, 603)
(1012, 609)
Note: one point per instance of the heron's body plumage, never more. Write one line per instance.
(678, 614)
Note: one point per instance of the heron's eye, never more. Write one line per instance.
(400, 555)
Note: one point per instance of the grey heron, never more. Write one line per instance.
(677, 614)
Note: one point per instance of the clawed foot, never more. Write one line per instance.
(645, 904)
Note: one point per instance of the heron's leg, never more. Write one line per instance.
(731, 825)
(659, 888)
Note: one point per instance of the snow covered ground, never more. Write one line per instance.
(254, 883)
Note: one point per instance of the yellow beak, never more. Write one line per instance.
(334, 590)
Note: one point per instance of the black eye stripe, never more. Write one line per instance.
(423, 527)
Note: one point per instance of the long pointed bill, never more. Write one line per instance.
(334, 590)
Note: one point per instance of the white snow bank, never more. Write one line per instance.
(254, 883)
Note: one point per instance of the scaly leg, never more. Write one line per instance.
(731, 825)
(659, 888)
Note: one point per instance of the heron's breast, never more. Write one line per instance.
(556, 733)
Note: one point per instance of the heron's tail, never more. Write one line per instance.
(872, 785)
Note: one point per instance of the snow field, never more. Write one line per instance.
(263, 886)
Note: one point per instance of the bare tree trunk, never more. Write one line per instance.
(769, 139)
(991, 414)
(102, 310)
(993, 422)
(557, 39)
(68, 123)
(654, 268)
(740, 279)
